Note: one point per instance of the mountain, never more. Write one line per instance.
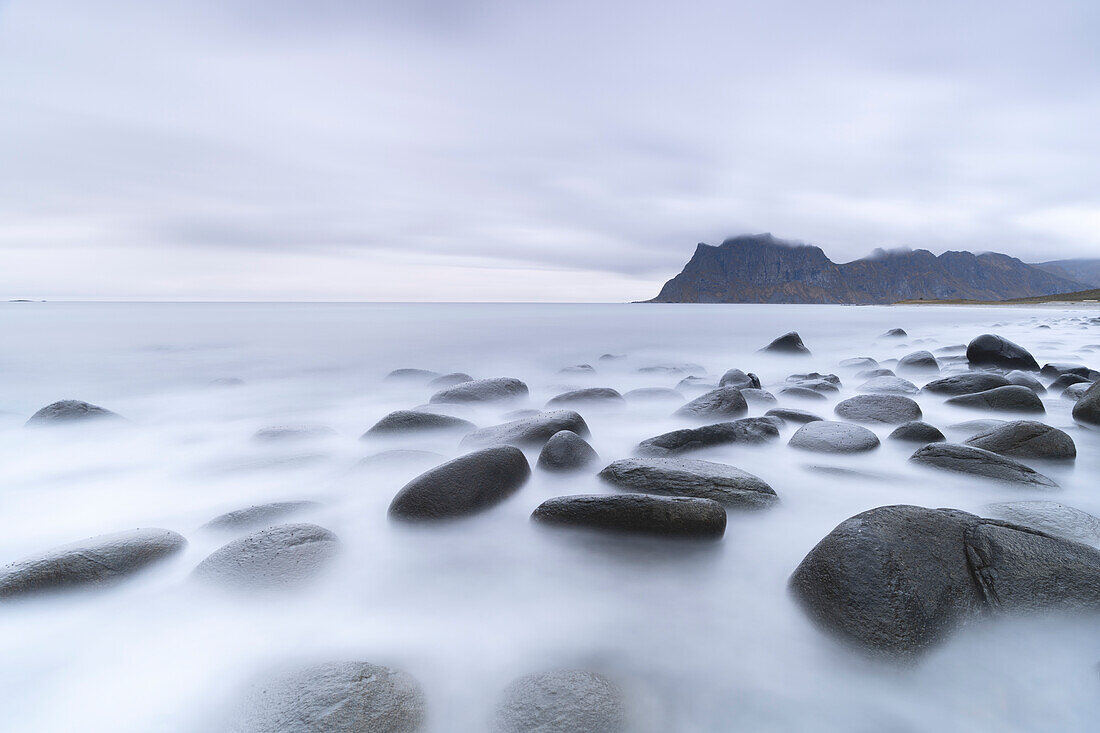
(762, 269)
(1084, 271)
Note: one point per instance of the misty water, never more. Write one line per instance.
(701, 636)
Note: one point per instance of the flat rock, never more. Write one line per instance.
(977, 462)
(283, 556)
(749, 430)
(566, 451)
(888, 385)
(259, 515)
(69, 411)
(493, 389)
(966, 383)
(1051, 517)
(825, 436)
(561, 702)
(1026, 439)
(1012, 398)
(788, 343)
(531, 431)
(413, 421)
(670, 516)
(1087, 409)
(788, 414)
(917, 431)
(887, 409)
(685, 477)
(466, 485)
(721, 402)
(587, 396)
(95, 562)
(992, 350)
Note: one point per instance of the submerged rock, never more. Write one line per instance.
(561, 702)
(412, 375)
(917, 432)
(259, 515)
(450, 380)
(992, 350)
(1026, 439)
(977, 462)
(895, 333)
(1023, 379)
(409, 421)
(860, 362)
(1051, 517)
(531, 431)
(918, 361)
(566, 451)
(788, 414)
(288, 433)
(788, 343)
(1013, 398)
(888, 385)
(879, 408)
(722, 402)
(685, 477)
(749, 430)
(68, 411)
(966, 383)
(676, 516)
(1075, 392)
(95, 562)
(482, 390)
(653, 394)
(834, 437)
(589, 396)
(466, 485)
(283, 556)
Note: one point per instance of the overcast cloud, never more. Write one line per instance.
(523, 150)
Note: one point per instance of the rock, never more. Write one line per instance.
(1026, 439)
(578, 369)
(918, 361)
(749, 430)
(868, 374)
(1075, 392)
(531, 431)
(685, 477)
(1067, 380)
(293, 433)
(482, 390)
(675, 516)
(1012, 398)
(806, 380)
(790, 415)
(466, 485)
(1059, 369)
(917, 432)
(973, 427)
(802, 393)
(722, 402)
(653, 394)
(758, 397)
(888, 385)
(566, 451)
(879, 408)
(259, 515)
(333, 698)
(1023, 379)
(95, 562)
(612, 357)
(823, 386)
(561, 702)
(967, 383)
(1050, 517)
(991, 350)
(450, 380)
(673, 369)
(825, 436)
(740, 380)
(977, 462)
(67, 411)
(408, 421)
(860, 362)
(589, 396)
(283, 556)
(953, 349)
(895, 333)
(788, 343)
(412, 375)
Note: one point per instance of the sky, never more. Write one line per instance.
(526, 150)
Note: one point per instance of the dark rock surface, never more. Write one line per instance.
(918, 361)
(977, 462)
(992, 350)
(788, 414)
(561, 702)
(721, 402)
(739, 379)
(1067, 380)
(409, 421)
(749, 430)
(587, 396)
(69, 411)
(466, 485)
(802, 393)
(566, 451)
(482, 390)
(788, 343)
(283, 556)
(967, 383)
(531, 431)
(670, 516)
(860, 362)
(917, 431)
(1075, 392)
(886, 409)
(1012, 398)
(1026, 439)
(824, 436)
(1087, 409)
(259, 515)
(895, 333)
(1023, 379)
(685, 477)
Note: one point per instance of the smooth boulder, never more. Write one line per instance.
(826, 436)
(414, 421)
(532, 431)
(992, 350)
(587, 396)
(887, 385)
(1026, 439)
(788, 343)
(739, 379)
(749, 430)
(978, 462)
(1087, 408)
(284, 556)
(917, 431)
(966, 383)
(918, 361)
(566, 451)
(1012, 398)
(69, 411)
(721, 402)
(568, 701)
(293, 433)
(721, 482)
(887, 409)
(669, 516)
(259, 515)
(493, 389)
(466, 485)
(789, 414)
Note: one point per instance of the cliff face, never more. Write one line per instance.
(763, 269)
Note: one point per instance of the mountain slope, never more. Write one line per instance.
(1082, 270)
(762, 269)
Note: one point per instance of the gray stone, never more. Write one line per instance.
(466, 485)
(967, 383)
(788, 343)
(1067, 380)
(991, 350)
(749, 430)
(888, 385)
(1023, 379)
(279, 557)
(860, 362)
(1051, 517)
(788, 414)
(588, 396)
(722, 402)
(566, 451)
(409, 421)
(69, 411)
(482, 390)
(531, 431)
(824, 436)
(868, 374)
(918, 361)
(802, 393)
(887, 409)
(895, 333)
(1026, 439)
(1058, 369)
(685, 477)
(450, 380)
(740, 380)
(1075, 392)
(259, 515)
(561, 702)
(758, 396)
(1012, 398)
(412, 375)
(578, 369)
(670, 516)
(917, 432)
(977, 462)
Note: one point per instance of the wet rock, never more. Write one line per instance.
(1026, 439)
(259, 515)
(92, 563)
(788, 343)
(612, 357)
(722, 402)
(758, 397)
(967, 383)
(1056, 370)
(70, 411)
(466, 485)
(879, 408)
(860, 362)
(888, 385)
(740, 380)
(589, 396)
(412, 375)
(578, 369)
(814, 377)
(802, 393)
(868, 374)
(450, 380)
(749, 430)
(825, 436)
(566, 451)
(676, 516)
(991, 350)
(410, 421)
(685, 477)
(531, 431)
(293, 433)
(1087, 409)
(283, 556)
(333, 698)
(1023, 379)
(653, 394)
(561, 702)
(917, 432)
(918, 361)
(482, 390)
(1075, 391)
(823, 386)
(1067, 380)
(788, 414)
(1051, 517)
(696, 384)
(1012, 398)
(977, 462)
(895, 333)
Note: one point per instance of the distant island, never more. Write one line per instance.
(760, 268)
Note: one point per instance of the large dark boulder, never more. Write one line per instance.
(721, 402)
(788, 343)
(466, 485)
(70, 411)
(561, 702)
(749, 430)
(992, 350)
(685, 477)
(917, 432)
(587, 396)
(531, 431)
(1012, 398)
(1058, 369)
(824, 436)
(566, 451)
(967, 383)
(671, 516)
(886, 409)
(260, 515)
(739, 379)
(95, 562)
(482, 390)
(281, 557)
(1026, 439)
(414, 421)
(335, 697)
(977, 462)
(1087, 409)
